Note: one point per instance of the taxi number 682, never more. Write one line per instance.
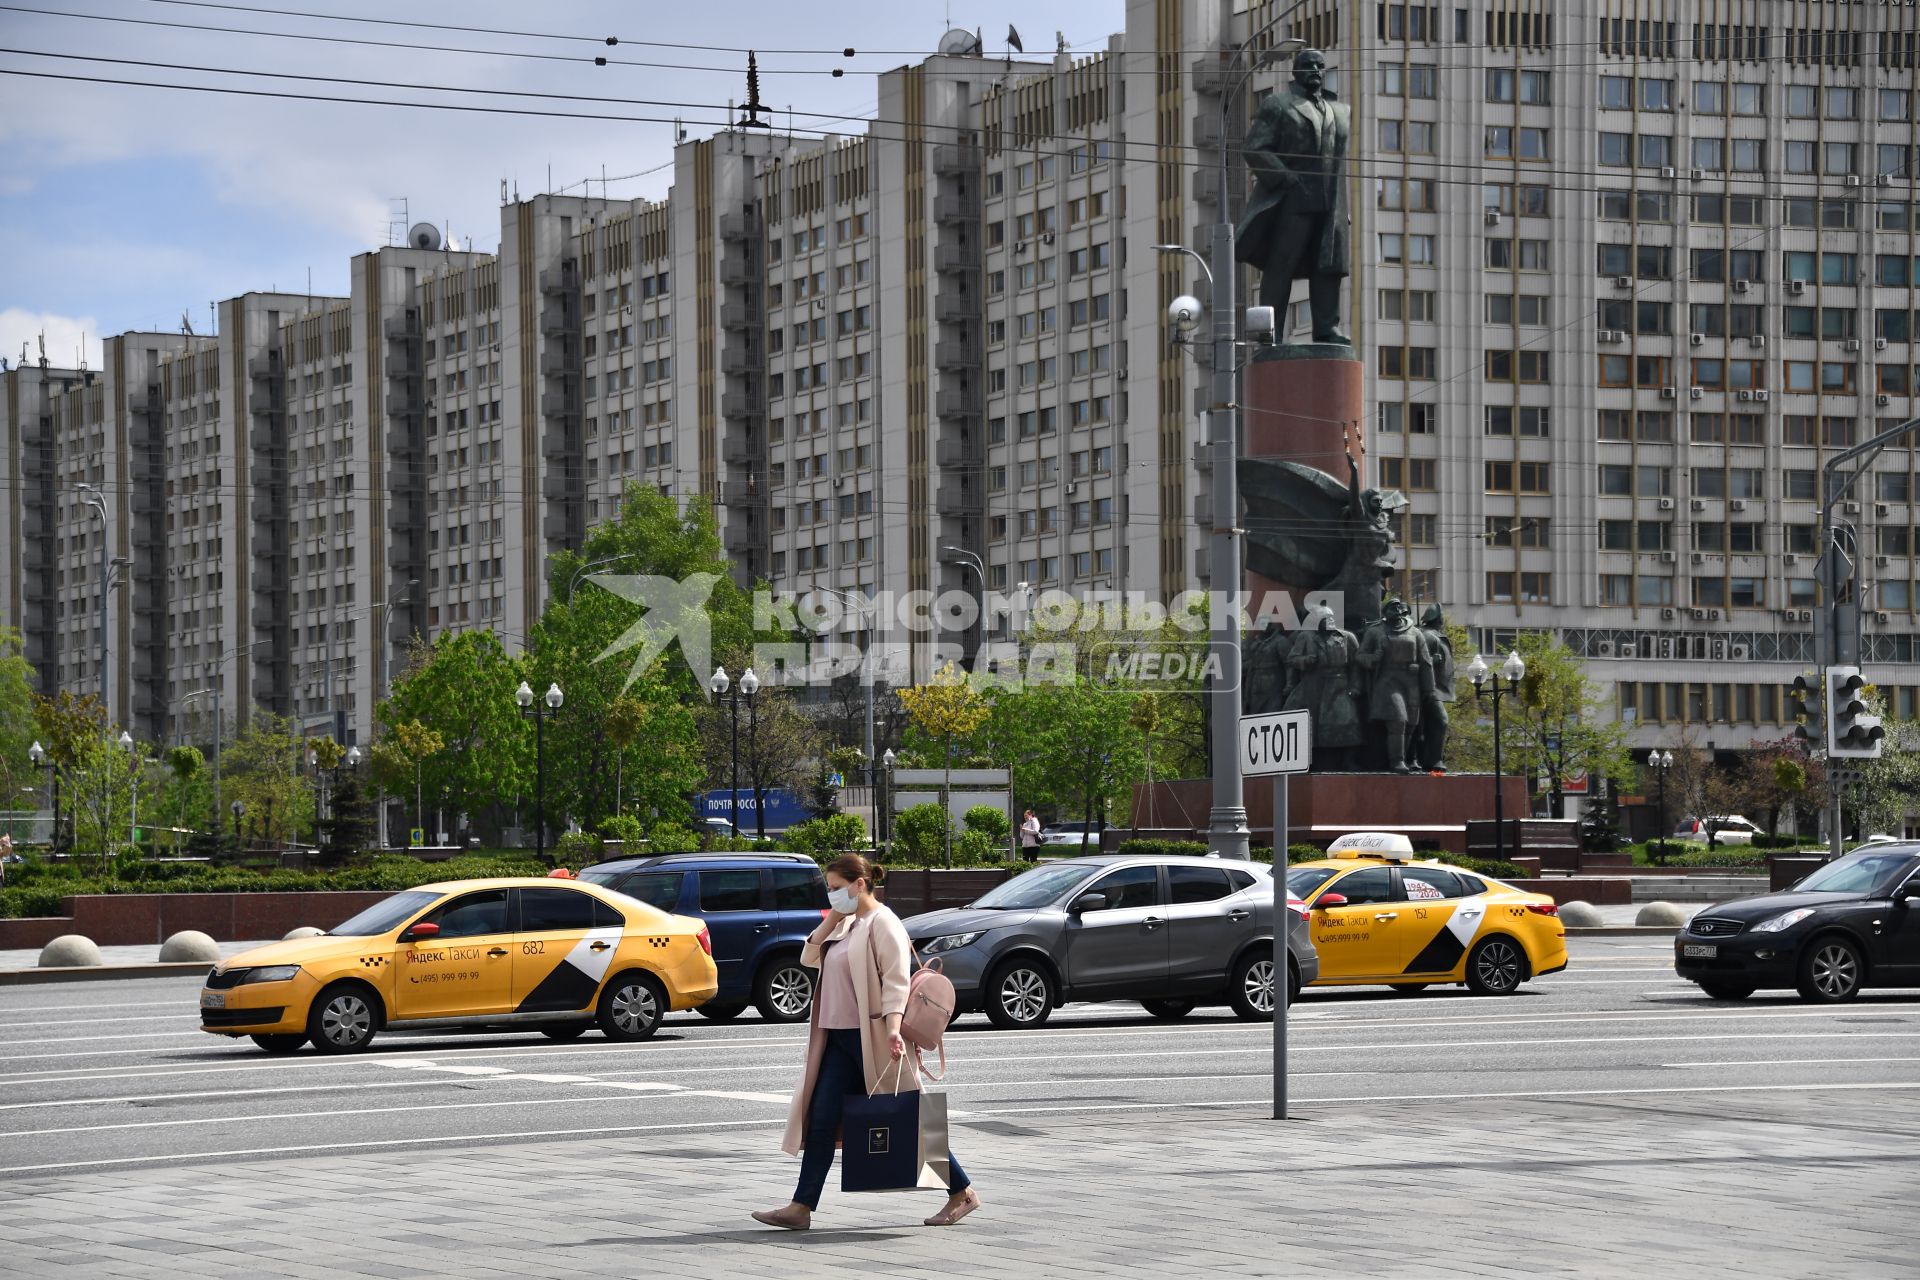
(532, 948)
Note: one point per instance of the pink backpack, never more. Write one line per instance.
(930, 1001)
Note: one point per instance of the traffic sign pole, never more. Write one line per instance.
(1278, 745)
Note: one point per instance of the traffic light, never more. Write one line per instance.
(1852, 733)
(1803, 708)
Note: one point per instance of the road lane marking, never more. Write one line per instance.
(96, 1022)
(1788, 1062)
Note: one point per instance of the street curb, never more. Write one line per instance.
(34, 977)
(1623, 931)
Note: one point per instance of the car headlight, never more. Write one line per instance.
(952, 942)
(1785, 920)
(270, 973)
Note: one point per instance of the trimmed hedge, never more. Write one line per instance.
(1162, 848)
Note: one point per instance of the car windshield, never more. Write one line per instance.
(1856, 873)
(1035, 888)
(383, 917)
(1302, 881)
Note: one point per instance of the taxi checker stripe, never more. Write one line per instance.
(571, 983)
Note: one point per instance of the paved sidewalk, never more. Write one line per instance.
(1780, 1184)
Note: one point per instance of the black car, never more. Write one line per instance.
(1853, 923)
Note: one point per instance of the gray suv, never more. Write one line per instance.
(1171, 933)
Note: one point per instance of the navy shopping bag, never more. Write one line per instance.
(880, 1142)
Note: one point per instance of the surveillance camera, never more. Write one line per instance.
(1184, 314)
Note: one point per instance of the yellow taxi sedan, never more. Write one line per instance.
(510, 953)
(1378, 917)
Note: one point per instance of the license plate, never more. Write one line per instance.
(213, 999)
(1700, 950)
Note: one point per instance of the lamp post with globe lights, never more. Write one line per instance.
(1497, 685)
(723, 686)
(132, 749)
(1661, 762)
(42, 759)
(540, 709)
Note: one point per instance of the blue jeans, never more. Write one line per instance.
(842, 1072)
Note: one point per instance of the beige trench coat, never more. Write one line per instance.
(881, 962)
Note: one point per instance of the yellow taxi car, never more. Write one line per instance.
(1378, 917)
(556, 958)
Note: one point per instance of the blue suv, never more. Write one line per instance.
(759, 909)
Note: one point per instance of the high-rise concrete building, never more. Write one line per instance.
(1625, 277)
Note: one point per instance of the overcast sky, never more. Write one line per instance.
(122, 206)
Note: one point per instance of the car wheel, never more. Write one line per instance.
(784, 991)
(279, 1044)
(721, 1011)
(1250, 990)
(1408, 988)
(1168, 1010)
(1725, 991)
(1831, 971)
(1019, 995)
(342, 1019)
(1496, 967)
(1293, 982)
(565, 1030)
(631, 1007)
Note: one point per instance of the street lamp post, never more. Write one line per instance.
(1660, 762)
(721, 683)
(1487, 684)
(133, 822)
(540, 710)
(239, 810)
(42, 759)
(866, 676)
(886, 803)
(97, 501)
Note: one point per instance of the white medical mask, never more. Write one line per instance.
(843, 901)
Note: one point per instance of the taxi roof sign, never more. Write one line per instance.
(1390, 845)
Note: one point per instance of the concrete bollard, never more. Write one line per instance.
(1580, 915)
(1662, 915)
(69, 951)
(189, 945)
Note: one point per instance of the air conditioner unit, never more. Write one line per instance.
(1666, 504)
(1739, 286)
(1883, 399)
(1493, 217)
(1850, 508)
(1668, 393)
(1883, 180)
(1853, 180)
(1790, 558)
(1669, 172)
(1739, 652)
(1626, 651)
(1756, 339)
(1666, 613)
(1746, 395)
(1796, 286)
(1699, 504)
(1881, 562)
(1738, 504)
(1882, 618)
(1719, 650)
(1699, 175)
(1699, 557)
(1881, 509)
(1072, 488)
(1852, 344)
(1668, 557)
(1713, 615)
(1612, 335)
(1763, 396)
(1696, 339)
(1699, 615)
(1623, 282)
(1694, 393)
(1879, 344)
(1604, 649)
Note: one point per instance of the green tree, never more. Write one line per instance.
(626, 721)
(261, 768)
(407, 748)
(946, 708)
(187, 796)
(20, 780)
(73, 730)
(1558, 724)
(461, 686)
(1889, 787)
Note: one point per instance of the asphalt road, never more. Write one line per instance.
(105, 1075)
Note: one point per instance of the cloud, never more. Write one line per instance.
(68, 337)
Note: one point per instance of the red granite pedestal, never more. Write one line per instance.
(1306, 404)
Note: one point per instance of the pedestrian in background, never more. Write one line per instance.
(864, 959)
(1030, 835)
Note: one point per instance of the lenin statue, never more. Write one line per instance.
(1295, 226)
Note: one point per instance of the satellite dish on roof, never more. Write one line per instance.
(960, 44)
(423, 235)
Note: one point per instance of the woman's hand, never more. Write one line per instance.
(896, 1045)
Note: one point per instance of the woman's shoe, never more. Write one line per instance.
(953, 1212)
(786, 1218)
